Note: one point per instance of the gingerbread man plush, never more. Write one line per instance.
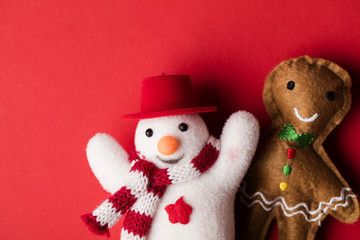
(291, 178)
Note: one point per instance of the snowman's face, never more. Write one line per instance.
(173, 140)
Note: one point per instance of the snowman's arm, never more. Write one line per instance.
(108, 161)
(238, 140)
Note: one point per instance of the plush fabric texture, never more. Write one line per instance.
(198, 203)
(167, 95)
(197, 209)
(111, 175)
(146, 186)
(291, 178)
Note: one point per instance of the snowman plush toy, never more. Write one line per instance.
(181, 182)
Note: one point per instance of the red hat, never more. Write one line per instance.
(167, 95)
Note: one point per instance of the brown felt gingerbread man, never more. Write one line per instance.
(291, 178)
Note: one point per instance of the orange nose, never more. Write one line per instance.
(167, 145)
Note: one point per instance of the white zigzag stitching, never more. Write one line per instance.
(281, 201)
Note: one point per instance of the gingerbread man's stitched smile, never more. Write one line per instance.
(310, 119)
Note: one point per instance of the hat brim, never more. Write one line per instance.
(165, 113)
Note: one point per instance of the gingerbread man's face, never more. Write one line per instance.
(305, 95)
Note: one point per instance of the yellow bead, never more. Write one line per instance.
(283, 186)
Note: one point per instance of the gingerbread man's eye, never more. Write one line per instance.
(290, 85)
(330, 95)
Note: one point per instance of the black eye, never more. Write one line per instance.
(290, 85)
(149, 132)
(183, 127)
(330, 95)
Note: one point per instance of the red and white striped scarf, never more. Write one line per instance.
(141, 196)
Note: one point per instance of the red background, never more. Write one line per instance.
(70, 69)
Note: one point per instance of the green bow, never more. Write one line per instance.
(288, 133)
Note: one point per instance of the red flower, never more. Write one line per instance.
(179, 212)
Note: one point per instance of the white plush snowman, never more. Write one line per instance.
(181, 183)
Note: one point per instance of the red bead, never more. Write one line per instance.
(291, 153)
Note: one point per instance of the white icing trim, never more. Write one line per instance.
(286, 209)
(279, 198)
(299, 212)
(310, 119)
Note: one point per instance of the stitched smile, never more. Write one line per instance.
(310, 119)
(170, 161)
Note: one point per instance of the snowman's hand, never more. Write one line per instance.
(108, 161)
(239, 140)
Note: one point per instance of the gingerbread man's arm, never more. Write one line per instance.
(108, 161)
(238, 140)
(346, 208)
